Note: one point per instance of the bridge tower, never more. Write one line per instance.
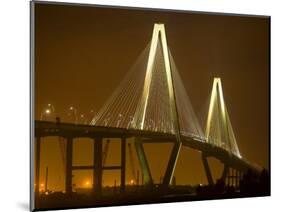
(219, 131)
(158, 38)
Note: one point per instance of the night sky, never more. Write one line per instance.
(82, 53)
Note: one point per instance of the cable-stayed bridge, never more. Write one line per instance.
(151, 105)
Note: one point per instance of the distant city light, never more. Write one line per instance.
(87, 183)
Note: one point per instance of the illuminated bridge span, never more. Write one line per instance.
(151, 105)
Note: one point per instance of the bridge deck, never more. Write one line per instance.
(44, 129)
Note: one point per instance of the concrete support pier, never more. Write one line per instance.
(207, 170)
(123, 164)
(97, 165)
(37, 165)
(224, 173)
(147, 178)
(171, 165)
(68, 174)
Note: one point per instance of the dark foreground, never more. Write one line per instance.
(142, 195)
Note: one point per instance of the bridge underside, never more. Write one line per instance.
(71, 131)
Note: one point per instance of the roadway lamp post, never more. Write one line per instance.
(47, 111)
(73, 111)
(92, 116)
(120, 116)
(82, 119)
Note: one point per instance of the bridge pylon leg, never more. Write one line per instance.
(171, 165)
(224, 173)
(147, 178)
(207, 169)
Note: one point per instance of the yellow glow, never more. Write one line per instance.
(211, 107)
(132, 181)
(47, 111)
(42, 184)
(142, 110)
(87, 183)
(227, 131)
(158, 33)
(222, 100)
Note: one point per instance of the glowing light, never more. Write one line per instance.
(42, 184)
(87, 183)
(219, 131)
(211, 108)
(158, 33)
(132, 182)
(47, 111)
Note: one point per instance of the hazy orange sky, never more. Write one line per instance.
(82, 53)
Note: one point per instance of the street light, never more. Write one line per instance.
(151, 124)
(82, 119)
(132, 182)
(87, 183)
(107, 119)
(72, 113)
(131, 122)
(119, 119)
(47, 112)
(92, 117)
